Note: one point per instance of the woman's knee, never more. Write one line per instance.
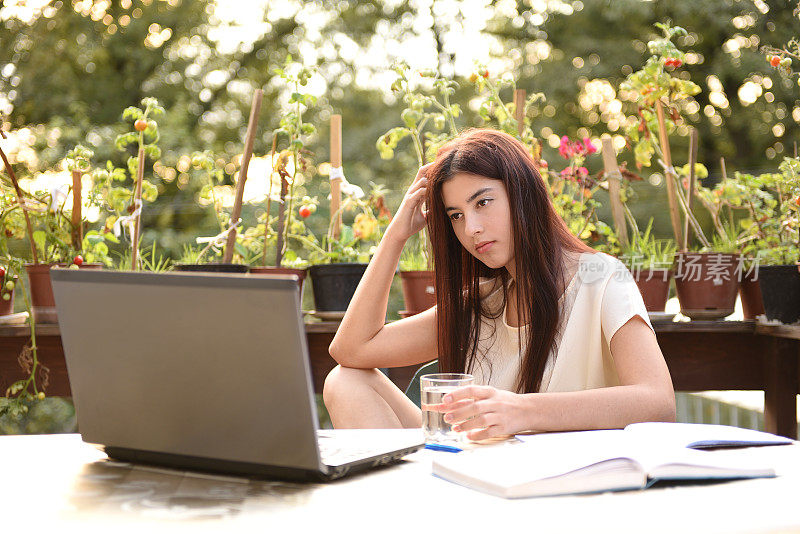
(341, 381)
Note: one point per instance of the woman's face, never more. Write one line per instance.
(481, 217)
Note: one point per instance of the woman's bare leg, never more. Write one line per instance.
(366, 398)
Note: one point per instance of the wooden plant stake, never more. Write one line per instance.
(77, 225)
(336, 182)
(18, 191)
(669, 175)
(725, 179)
(269, 198)
(519, 110)
(249, 139)
(614, 184)
(690, 193)
(281, 217)
(137, 206)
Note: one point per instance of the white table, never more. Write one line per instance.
(57, 482)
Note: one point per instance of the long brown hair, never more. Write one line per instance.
(540, 237)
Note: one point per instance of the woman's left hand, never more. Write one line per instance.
(484, 412)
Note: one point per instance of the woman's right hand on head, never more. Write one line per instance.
(410, 216)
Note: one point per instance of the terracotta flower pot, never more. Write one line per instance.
(7, 306)
(707, 284)
(653, 284)
(419, 291)
(300, 273)
(43, 304)
(750, 293)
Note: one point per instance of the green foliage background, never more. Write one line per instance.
(68, 76)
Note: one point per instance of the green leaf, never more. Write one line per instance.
(149, 191)
(39, 237)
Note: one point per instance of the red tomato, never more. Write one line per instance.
(2, 272)
(774, 61)
(140, 125)
(78, 260)
(304, 212)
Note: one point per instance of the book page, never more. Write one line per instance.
(541, 456)
(661, 453)
(686, 463)
(702, 435)
(546, 464)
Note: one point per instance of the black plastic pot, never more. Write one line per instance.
(334, 284)
(780, 291)
(213, 267)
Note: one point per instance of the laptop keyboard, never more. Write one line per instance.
(332, 454)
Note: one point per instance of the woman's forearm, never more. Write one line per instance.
(366, 313)
(611, 407)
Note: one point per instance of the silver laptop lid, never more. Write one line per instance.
(204, 365)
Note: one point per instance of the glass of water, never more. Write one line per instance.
(433, 389)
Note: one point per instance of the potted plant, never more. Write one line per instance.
(774, 237)
(52, 239)
(705, 281)
(51, 230)
(429, 121)
(290, 167)
(731, 204)
(338, 263)
(650, 262)
(126, 204)
(261, 239)
(419, 290)
(207, 258)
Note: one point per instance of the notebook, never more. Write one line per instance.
(563, 463)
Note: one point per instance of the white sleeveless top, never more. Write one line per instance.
(601, 297)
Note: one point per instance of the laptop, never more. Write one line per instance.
(204, 371)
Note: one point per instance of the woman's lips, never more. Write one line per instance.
(483, 247)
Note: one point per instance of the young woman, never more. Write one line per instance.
(556, 334)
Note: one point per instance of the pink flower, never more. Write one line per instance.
(569, 149)
(565, 148)
(583, 171)
(567, 172)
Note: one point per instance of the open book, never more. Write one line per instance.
(605, 460)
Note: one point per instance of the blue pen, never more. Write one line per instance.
(443, 448)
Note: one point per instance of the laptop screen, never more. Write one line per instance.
(205, 365)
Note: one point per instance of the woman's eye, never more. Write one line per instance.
(484, 201)
(455, 216)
